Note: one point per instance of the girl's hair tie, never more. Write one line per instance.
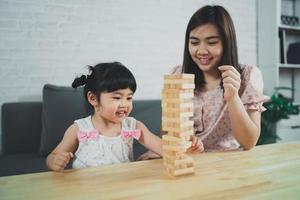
(79, 81)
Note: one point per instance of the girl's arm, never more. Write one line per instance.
(154, 143)
(62, 154)
(148, 139)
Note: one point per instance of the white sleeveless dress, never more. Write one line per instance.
(96, 149)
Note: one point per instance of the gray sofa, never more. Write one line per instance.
(31, 130)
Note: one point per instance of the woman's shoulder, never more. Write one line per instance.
(177, 69)
(251, 76)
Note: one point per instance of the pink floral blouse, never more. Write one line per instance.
(211, 116)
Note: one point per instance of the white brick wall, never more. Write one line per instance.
(51, 41)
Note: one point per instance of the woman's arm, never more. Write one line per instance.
(245, 125)
(62, 154)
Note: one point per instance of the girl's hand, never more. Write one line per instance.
(57, 161)
(197, 145)
(148, 156)
(231, 79)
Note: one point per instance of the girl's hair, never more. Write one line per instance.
(106, 77)
(219, 17)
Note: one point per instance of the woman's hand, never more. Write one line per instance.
(57, 161)
(148, 156)
(197, 145)
(231, 79)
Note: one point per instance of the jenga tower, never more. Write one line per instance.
(177, 110)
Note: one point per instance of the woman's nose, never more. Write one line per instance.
(202, 49)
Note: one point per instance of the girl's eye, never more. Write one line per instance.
(129, 98)
(117, 98)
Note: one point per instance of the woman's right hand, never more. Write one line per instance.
(57, 161)
(148, 156)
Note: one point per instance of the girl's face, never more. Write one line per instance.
(205, 47)
(115, 106)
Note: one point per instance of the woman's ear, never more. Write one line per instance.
(92, 98)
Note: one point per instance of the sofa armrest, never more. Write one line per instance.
(21, 127)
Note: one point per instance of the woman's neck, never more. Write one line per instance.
(106, 127)
(212, 80)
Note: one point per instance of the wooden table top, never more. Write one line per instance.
(265, 172)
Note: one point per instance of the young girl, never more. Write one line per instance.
(107, 136)
(228, 96)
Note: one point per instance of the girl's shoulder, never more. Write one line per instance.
(84, 123)
(129, 123)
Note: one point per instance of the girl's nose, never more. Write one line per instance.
(124, 103)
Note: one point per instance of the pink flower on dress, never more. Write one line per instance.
(136, 134)
(87, 135)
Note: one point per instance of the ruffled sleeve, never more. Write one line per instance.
(252, 85)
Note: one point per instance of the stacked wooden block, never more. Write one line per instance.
(177, 110)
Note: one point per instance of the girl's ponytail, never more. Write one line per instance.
(79, 81)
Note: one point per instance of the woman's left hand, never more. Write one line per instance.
(231, 79)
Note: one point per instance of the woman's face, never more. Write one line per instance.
(206, 47)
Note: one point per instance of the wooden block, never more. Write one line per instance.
(179, 76)
(180, 131)
(177, 105)
(177, 110)
(167, 113)
(178, 172)
(174, 155)
(178, 126)
(177, 148)
(177, 100)
(177, 93)
(176, 119)
(184, 134)
(178, 81)
(179, 85)
(179, 163)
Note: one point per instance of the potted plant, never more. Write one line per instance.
(278, 107)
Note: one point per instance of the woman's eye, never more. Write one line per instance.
(194, 42)
(129, 98)
(117, 98)
(212, 42)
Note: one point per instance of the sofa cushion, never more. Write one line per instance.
(21, 127)
(22, 164)
(61, 106)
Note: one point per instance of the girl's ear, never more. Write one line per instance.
(92, 98)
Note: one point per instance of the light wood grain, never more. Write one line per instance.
(265, 172)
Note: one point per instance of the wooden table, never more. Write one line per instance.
(265, 172)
